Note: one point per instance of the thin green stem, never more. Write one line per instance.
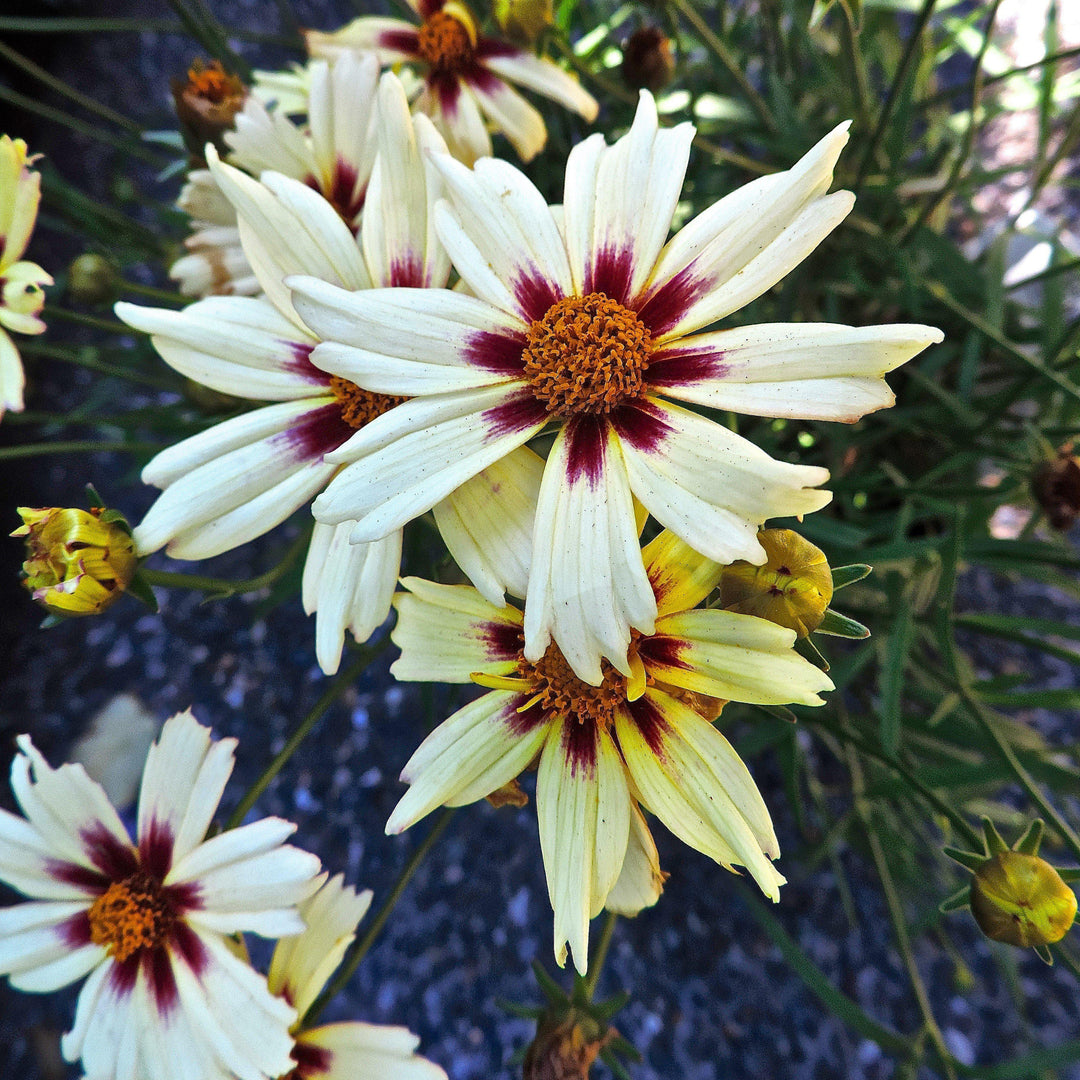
(596, 961)
(75, 446)
(1050, 272)
(911, 47)
(113, 326)
(336, 688)
(29, 24)
(730, 62)
(951, 91)
(165, 296)
(850, 42)
(360, 947)
(76, 356)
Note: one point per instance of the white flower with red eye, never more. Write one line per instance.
(465, 76)
(586, 320)
(165, 997)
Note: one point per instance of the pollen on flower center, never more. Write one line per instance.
(587, 354)
(558, 690)
(445, 42)
(359, 406)
(131, 915)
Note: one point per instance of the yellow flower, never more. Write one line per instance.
(791, 588)
(21, 295)
(78, 562)
(1021, 899)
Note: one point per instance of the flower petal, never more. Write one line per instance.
(542, 76)
(509, 113)
(641, 881)
(480, 748)
(37, 951)
(707, 484)
(447, 632)
(455, 114)
(680, 576)
(819, 371)
(12, 379)
(587, 586)
(369, 1050)
(391, 40)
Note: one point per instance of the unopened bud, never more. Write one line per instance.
(565, 1047)
(647, 62)
(524, 21)
(1021, 899)
(93, 279)
(207, 102)
(78, 561)
(792, 587)
(1056, 485)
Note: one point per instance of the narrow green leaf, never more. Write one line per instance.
(1028, 844)
(970, 859)
(994, 844)
(959, 899)
(139, 587)
(893, 677)
(843, 576)
(836, 625)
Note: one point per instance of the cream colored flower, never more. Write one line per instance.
(21, 295)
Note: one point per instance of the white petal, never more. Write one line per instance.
(447, 632)
(268, 140)
(36, 951)
(480, 748)
(502, 238)
(710, 486)
(819, 371)
(455, 114)
(511, 114)
(641, 881)
(237, 345)
(27, 860)
(542, 76)
(367, 33)
(487, 524)
(12, 379)
(370, 1050)
(588, 585)
(619, 201)
(182, 783)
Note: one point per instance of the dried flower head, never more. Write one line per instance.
(1056, 486)
(207, 102)
(647, 63)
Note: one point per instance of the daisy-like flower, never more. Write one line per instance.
(21, 295)
(588, 321)
(465, 76)
(301, 966)
(333, 153)
(146, 920)
(239, 479)
(602, 747)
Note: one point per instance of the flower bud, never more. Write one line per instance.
(565, 1047)
(206, 105)
(1056, 486)
(523, 21)
(93, 279)
(647, 62)
(78, 561)
(792, 587)
(1021, 899)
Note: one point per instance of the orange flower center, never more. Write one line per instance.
(586, 355)
(130, 915)
(445, 42)
(559, 691)
(358, 406)
(212, 82)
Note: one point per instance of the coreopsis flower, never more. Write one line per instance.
(301, 966)
(146, 920)
(240, 478)
(332, 152)
(21, 295)
(589, 324)
(602, 747)
(465, 75)
(792, 587)
(78, 562)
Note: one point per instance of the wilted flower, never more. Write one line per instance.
(464, 75)
(1056, 485)
(647, 63)
(78, 562)
(1015, 895)
(791, 588)
(146, 920)
(207, 102)
(603, 748)
(21, 295)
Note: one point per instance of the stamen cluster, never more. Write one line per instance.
(131, 915)
(560, 692)
(359, 406)
(444, 42)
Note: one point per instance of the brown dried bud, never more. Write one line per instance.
(1056, 485)
(207, 102)
(565, 1048)
(508, 795)
(648, 63)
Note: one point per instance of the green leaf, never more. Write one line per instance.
(971, 860)
(836, 625)
(893, 678)
(994, 844)
(1028, 844)
(843, 576)
(139, 587)
(959, 899)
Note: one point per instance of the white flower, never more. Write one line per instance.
(601, 749)
(239, 479)
(465, 75)
(587, 320)
(301, 966)
(21, 295)
(145, 920)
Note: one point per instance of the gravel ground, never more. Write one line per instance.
(711, 995)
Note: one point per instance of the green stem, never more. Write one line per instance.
(76, 446)
(596, 963)
(165, 296)
(855, 64)
(73, 356)
(729, 61)
(906, 60)
(112, 326)
(336, 688)
(945, 95)
(359, 948)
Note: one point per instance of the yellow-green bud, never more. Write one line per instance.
(78, 561)
(523, 20)
(792, 587)
(1021, 899)
(93, 279)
